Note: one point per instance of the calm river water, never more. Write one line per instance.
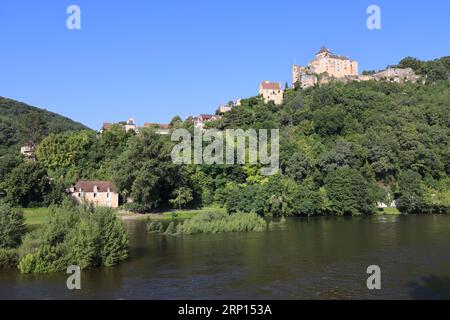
(315, 258)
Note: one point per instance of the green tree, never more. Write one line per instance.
(27, 185)
(348, 192)
(182, 197)
(411, 193)
(12, 227)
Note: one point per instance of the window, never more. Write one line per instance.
(107, 195)
(95, 194)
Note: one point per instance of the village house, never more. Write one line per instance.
(271, 91)
(160, 128)
(128, 125)
(28, 150)
(224, 108)
(98, 193)
(200, 121)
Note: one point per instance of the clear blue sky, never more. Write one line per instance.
(154, 59)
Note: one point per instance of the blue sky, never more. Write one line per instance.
(154, 59)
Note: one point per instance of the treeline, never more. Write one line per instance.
(343, 148)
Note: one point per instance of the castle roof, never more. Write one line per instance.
(323, 49)
(267, 85)
(328, 53)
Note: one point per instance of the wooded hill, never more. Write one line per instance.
(20, 123)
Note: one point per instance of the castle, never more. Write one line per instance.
(327, 66)
(324, 62)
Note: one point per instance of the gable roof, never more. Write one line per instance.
(88, 186)
(163, 126)
(267, 85)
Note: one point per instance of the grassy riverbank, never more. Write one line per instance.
(37, 216)
(171, 214)
(388, 211)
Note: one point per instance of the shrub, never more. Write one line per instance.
(12, 226)
(81, 236)
(8, 258)
(221, 222)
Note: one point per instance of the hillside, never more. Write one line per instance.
(20, 123)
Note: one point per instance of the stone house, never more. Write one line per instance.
(28, 150)
(98, 193)
(224, 108)
(271, 91)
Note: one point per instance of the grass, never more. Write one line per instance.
(219, 223)
(181, 214)
(35, 216)
(388, 211)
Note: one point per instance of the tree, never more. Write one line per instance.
(12, 227)
(145, 171)
(297, 167)
(84, 236)
(27, 185)
(182, 196)
(410, 62)
(411, 194)
(348, 192)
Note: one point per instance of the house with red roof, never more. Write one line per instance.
(98, 193)
(271, 91)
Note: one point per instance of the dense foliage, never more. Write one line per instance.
(213, 223)
(80, 236)
(20, 123)
(12, 227)
(343, 148)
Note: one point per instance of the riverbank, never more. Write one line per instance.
(388, 212)
(169, 215)
(37, 216)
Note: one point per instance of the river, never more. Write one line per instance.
(308, 258)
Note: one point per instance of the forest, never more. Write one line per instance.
(344, 147)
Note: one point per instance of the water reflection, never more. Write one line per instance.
(309, 258)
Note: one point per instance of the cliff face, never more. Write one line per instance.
(308, 79)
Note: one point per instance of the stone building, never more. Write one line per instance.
(98, 193)
(224, 108)
(28, 150)
(271, 91)
(324, 62)
(160, 128)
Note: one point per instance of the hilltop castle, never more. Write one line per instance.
(327, 66)
(324, 62)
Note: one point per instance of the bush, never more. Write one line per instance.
(12, 226)
(221, 222)
(8, 258)
(81, 236)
